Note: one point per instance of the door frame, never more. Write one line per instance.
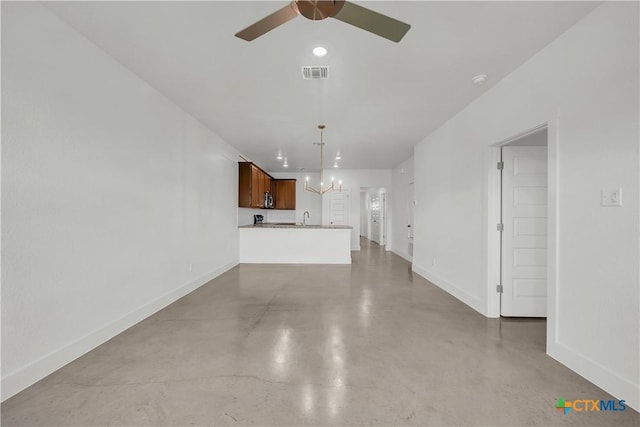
(383, 226)
(493, 238)
(364, 225)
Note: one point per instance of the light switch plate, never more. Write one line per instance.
(611, 197)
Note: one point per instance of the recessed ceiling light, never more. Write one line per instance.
(279, 156)
(319, 51)
(479, 79)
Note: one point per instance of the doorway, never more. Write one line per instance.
(410, 206)
(364, 214)
(374, 218)
(523, 226)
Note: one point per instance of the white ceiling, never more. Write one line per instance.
(381, 98)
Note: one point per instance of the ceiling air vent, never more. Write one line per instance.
(315, 73)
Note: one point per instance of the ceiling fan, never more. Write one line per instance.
(341, 10)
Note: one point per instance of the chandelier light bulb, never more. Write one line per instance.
(279, 156)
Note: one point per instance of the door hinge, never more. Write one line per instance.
(499, 289)
(500, 227)
(500, 165)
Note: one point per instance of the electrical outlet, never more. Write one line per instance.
(611, 197)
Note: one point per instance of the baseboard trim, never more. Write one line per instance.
(402, 255)
(603, 377)
(450, 288)
(18, 380)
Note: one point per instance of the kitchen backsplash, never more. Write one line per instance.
(280, 216)
(245, 215)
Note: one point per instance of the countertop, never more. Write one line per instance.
(297, 226)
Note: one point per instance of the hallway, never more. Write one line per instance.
(362, 344)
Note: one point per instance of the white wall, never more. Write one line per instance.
(109, 193)
(353, 180)
(402, 177)
(585, 85)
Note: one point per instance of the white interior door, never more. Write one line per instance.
(410, 220)
(339, 214)
(383, 219)
(375, 218)
(524, 238)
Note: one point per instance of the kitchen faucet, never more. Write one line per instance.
(305, 215)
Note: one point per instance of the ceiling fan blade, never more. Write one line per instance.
(371, 21)
(267, 24)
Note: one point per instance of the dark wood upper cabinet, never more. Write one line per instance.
(267, 184)
(253, 182)
(245, 182)
(285, 193)
(257, 187)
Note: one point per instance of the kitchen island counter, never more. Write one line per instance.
(297, 226)
(288, 243)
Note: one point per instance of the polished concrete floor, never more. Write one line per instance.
(366, 344)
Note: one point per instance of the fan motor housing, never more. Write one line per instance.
(319, 9)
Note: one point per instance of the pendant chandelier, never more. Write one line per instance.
(321, 190)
